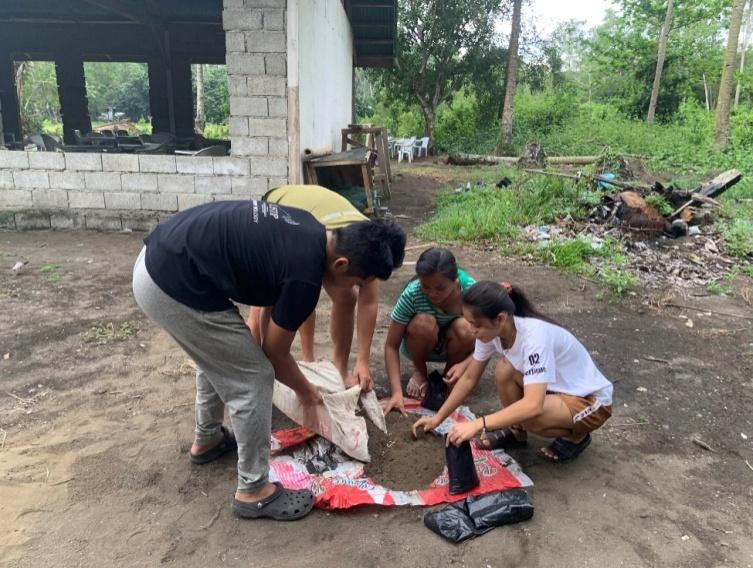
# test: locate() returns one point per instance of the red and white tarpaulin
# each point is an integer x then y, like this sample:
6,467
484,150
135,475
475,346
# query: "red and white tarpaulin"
304,460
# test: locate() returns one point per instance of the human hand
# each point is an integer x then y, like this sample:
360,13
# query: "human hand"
362,375
396,402
455,372
462,432
427,424
310,397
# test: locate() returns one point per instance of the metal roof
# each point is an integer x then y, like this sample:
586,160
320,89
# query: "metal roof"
374,24
110,11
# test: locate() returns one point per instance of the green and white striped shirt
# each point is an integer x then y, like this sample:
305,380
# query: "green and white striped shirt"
413,301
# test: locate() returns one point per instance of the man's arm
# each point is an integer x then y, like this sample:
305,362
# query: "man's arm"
276,346
366,317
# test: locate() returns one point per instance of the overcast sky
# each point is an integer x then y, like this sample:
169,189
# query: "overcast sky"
548,13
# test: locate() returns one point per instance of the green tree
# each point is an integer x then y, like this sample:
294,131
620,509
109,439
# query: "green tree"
439,43
721,126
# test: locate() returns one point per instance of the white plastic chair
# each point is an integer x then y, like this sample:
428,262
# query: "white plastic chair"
405,148
422,145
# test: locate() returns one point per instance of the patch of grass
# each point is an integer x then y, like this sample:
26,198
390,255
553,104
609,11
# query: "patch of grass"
738,236
486,212
660,203
52,271
718,288
104,333
747,270
618,281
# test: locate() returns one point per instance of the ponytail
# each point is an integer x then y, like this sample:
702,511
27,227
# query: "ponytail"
489,299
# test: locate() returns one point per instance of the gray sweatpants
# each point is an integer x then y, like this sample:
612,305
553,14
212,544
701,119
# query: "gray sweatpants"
231,369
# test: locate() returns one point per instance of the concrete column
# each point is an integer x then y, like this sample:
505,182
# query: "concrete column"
182,96
74,104
10,119
158,96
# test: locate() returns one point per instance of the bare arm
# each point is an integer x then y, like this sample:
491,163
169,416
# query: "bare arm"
276,346
463,388
366,317
392,364
528,407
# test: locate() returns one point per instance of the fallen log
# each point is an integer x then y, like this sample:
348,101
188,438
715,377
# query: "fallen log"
477,159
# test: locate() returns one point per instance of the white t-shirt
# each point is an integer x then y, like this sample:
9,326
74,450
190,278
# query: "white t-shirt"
547,353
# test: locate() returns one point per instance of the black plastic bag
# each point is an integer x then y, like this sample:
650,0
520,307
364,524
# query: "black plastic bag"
453,523
475,516
502,508
436,392
460,468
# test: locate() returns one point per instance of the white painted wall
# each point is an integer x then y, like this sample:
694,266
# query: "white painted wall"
325,67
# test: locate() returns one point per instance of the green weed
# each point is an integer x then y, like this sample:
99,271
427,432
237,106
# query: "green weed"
719,288
660,203
104,333
52,271
738,236
618,281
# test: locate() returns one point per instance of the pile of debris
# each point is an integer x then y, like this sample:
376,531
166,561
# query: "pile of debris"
651,240
630,209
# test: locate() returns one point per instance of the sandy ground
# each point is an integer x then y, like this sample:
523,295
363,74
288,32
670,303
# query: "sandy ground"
93,438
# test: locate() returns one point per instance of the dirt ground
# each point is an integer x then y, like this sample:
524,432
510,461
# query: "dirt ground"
93,437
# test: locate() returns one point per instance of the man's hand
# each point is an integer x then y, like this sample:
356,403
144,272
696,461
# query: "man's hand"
462,432
310,397
361,375
426,424
396,402
455,372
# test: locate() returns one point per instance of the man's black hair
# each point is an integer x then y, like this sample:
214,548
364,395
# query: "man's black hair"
374,248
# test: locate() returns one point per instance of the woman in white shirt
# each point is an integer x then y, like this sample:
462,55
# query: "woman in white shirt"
546,380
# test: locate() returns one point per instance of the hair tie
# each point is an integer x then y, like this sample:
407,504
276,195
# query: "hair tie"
506,286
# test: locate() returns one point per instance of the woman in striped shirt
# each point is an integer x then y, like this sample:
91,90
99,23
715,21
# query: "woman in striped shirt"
427,325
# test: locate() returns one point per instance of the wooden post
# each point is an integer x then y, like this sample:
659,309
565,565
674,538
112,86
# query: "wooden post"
11,119
69,68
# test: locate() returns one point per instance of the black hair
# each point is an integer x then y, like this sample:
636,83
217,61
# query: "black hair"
437,260
374,248
489,299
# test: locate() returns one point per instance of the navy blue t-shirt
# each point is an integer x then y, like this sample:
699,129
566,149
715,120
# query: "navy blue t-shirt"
252,252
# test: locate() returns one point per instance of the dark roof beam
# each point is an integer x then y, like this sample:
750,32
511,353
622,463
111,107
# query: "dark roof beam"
116,7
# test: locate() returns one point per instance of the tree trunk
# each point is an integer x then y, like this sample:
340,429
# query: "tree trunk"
706,92
746,37
721,127
504,143
663,38
429,119
200,120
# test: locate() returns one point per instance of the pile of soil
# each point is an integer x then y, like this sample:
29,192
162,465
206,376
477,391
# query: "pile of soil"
399,461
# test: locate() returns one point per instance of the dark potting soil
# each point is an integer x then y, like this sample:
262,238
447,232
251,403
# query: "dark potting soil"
398,461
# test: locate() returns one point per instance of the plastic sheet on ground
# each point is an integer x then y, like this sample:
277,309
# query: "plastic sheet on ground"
338,481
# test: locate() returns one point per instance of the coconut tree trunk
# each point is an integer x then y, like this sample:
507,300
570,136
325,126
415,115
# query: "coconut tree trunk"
746,38
663,39
200,120
721,127
504,143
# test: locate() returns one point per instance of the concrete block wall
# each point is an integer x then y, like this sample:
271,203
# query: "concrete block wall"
256,59
116,191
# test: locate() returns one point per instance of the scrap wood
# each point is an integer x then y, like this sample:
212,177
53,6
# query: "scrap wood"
477,159
5,435
700,443
682,306
714,188
212,520
656,359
